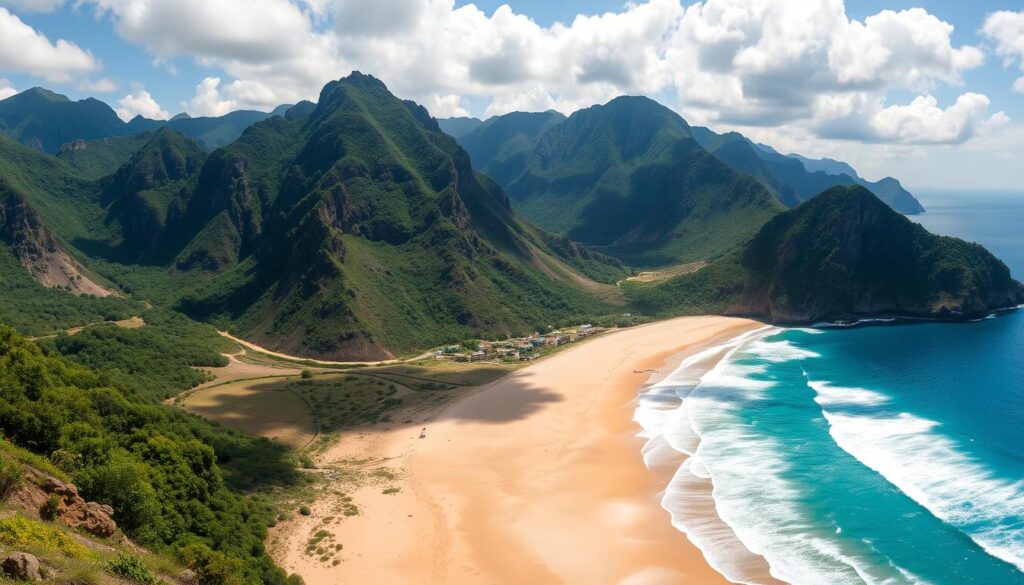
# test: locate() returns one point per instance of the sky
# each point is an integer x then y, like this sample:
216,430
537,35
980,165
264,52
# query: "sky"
930,92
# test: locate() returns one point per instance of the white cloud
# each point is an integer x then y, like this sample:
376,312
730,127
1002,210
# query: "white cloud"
924,122
208,101
33,5
104,85
446,106
140,103
6,90
253,31
1006,29
800,64
24,49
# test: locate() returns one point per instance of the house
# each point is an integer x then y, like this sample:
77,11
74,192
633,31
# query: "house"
486,345
477,356
527,357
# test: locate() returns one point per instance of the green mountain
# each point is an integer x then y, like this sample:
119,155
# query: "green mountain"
361,231
45,120
95,159
625,178
51,123
501,147
210,132
842,255
458,127
148,195
794,178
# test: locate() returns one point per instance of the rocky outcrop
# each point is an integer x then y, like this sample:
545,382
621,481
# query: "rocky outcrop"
35,493
22,230
22,567
96,519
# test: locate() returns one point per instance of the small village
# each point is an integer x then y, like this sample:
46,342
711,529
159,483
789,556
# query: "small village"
516,348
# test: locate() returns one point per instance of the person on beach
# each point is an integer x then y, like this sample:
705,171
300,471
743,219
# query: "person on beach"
423,433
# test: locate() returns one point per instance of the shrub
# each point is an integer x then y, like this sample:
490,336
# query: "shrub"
132,568
50,508
10,477
19,532
306,374
305,511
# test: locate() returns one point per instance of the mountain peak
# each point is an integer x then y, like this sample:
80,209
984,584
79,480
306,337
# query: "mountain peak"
43,93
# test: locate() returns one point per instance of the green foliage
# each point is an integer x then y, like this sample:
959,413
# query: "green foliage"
96,159
22,532
156,466
36,310
11,473
50,508
153,362
132,568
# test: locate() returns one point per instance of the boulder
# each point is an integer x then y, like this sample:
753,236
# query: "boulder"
96,519
22,567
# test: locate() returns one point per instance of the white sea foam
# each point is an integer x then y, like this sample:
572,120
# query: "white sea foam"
751,491
916,456
731,497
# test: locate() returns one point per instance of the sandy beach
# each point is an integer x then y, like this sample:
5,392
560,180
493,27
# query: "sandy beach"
536,478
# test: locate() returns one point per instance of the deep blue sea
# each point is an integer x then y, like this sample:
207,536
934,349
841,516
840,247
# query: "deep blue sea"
879,454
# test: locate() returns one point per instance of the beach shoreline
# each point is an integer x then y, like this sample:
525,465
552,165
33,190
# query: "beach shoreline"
535,478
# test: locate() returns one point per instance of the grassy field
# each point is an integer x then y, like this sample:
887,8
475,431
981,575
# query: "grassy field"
294,410
265,408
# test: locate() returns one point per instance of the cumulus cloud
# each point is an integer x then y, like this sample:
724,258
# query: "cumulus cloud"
6,90
104,85
1006,29
140,103
24,49
728,63
922,121
446,106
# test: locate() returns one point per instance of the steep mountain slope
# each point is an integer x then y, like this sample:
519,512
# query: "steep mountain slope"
95,159
795,178
35,248
624,178
458,127
844,254
150,192
361,231
501,147
45,120
210,132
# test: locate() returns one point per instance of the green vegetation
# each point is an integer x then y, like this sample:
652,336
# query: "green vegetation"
22,532
154,362
11,473
157,467
96,159
132,568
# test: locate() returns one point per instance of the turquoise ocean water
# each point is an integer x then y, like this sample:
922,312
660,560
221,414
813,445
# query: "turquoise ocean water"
877,454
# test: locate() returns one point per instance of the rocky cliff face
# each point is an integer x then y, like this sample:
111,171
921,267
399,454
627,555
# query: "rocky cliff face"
22,230
846,254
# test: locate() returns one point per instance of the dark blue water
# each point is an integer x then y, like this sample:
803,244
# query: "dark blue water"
887,454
